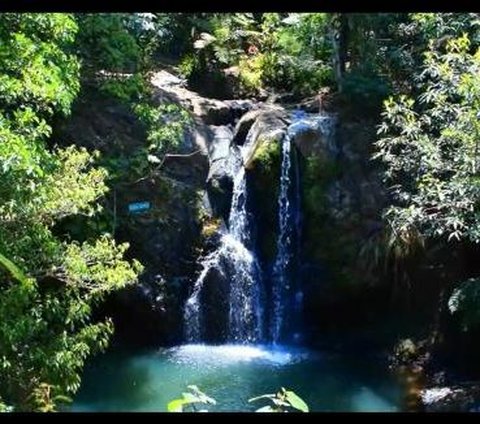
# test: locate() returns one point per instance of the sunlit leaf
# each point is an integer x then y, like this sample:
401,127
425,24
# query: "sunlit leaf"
296,401
175,405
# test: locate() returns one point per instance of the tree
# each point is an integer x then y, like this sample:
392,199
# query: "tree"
48,283
430,149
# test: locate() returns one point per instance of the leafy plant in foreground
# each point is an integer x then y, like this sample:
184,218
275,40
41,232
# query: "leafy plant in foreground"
49,283
189,400
282,401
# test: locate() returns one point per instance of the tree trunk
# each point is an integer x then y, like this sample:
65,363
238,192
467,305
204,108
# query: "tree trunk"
339,26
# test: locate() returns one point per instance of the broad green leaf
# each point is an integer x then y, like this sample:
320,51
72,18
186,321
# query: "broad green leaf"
296,402
13,269
175,405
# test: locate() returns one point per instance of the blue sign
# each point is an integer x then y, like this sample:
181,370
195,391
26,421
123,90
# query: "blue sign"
137,207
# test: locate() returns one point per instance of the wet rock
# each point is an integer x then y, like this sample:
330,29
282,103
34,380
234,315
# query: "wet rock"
269,126
100,122
164,235
310,105
243,126
313,136
211,111
215,304
451,399
216,112
219,180
240,107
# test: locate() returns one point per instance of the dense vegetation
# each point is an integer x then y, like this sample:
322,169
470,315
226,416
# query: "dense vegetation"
50,282
414,77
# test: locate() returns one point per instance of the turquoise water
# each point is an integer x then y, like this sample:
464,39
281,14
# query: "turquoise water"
231,374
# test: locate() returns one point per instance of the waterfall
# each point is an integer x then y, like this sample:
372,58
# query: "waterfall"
287,292
235,260
298,297
245,314
280,280
239,264
192,313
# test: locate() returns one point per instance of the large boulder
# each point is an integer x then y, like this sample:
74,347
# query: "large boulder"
270,126
100,122
220,176
312,134
215,305
210,110
243,126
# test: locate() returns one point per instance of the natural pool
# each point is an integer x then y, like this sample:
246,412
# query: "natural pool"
231,374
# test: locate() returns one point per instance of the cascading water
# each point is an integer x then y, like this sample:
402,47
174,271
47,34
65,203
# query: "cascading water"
287,293
235,259
280,280
245,315
298,301
237,263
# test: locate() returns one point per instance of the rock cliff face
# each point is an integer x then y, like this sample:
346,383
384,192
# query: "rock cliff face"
189,198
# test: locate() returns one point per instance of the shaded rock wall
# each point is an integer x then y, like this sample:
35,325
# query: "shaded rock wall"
190,199
184,196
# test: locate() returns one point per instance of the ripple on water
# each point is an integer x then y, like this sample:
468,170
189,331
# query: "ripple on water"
232,374
226,355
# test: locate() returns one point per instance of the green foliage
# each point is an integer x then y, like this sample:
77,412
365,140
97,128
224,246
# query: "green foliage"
5,408
177,32
430,155
365,91
464,301
297,52
106,43
71,188
128,89
44,398
381,50
190,400
229,35
430,152
372,55
126,168
269,51
36,70
385,250
250,72
267,155
436,29
187,65
48,285
46,328
219,42
167,125
282,401
84,266
14,271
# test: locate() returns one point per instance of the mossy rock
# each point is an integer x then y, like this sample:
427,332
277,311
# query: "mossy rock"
265,185
267,153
